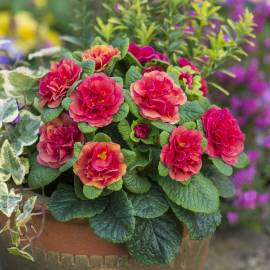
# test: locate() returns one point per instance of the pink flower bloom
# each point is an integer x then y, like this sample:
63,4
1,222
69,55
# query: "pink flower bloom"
55,84
146,53
57,139
96,100
158,97
142,131
101,55
225,138
100,164
183,154
183,62
153,68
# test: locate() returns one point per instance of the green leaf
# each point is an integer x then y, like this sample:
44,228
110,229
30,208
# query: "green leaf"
102,137
132,60
118,80
223,184
49,114
68,165
124,129
72,87
163,126
152,204
132,106
199,195
191,111
89,67
65,206
86,128
136,183
190,125
25,132
77,149
25,216
162,169
242,162
66,103
222,166
155,241
91,192
122,113
111,65
164,138
129,156
78,188
116,186
11,165
8,109
40,176
199,225
122,44
8,200
132,75
22,253
117,222
141,161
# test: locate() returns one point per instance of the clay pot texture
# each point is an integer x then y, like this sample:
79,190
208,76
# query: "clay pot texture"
74,246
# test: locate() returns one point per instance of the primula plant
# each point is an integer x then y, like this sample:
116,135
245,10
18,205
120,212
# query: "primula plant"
126,139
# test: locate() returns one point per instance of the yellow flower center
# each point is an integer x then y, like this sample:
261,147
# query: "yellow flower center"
181,144
103,155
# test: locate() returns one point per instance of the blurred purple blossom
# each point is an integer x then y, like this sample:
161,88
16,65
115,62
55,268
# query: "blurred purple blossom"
232,217
247,200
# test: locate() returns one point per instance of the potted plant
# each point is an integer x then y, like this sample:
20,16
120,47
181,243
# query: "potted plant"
113,156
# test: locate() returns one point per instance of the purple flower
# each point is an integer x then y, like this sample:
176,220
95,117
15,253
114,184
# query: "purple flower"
264,198
263,119
247,200
232,217
244,176
266,142
254,155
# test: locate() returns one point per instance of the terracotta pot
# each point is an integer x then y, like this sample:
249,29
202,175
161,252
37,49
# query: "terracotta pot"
73,246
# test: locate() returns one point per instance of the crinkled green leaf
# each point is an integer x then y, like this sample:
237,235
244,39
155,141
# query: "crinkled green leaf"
68,165
66,103
129,156
116,186
152,204
199,195
41,176
65,206
222,166
162,169
163,126
132,75
223,183
155,241
91,192
164,138
77,149
124,129
132,106
102,137
136,183
122,44
89,67
86,128
199,225
118,80
122,113
49,114
117,222
242,162
190,111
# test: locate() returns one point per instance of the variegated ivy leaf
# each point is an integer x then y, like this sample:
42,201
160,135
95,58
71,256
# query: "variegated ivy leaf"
26,131
19,81
11,165
8,109
26,215
8,200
